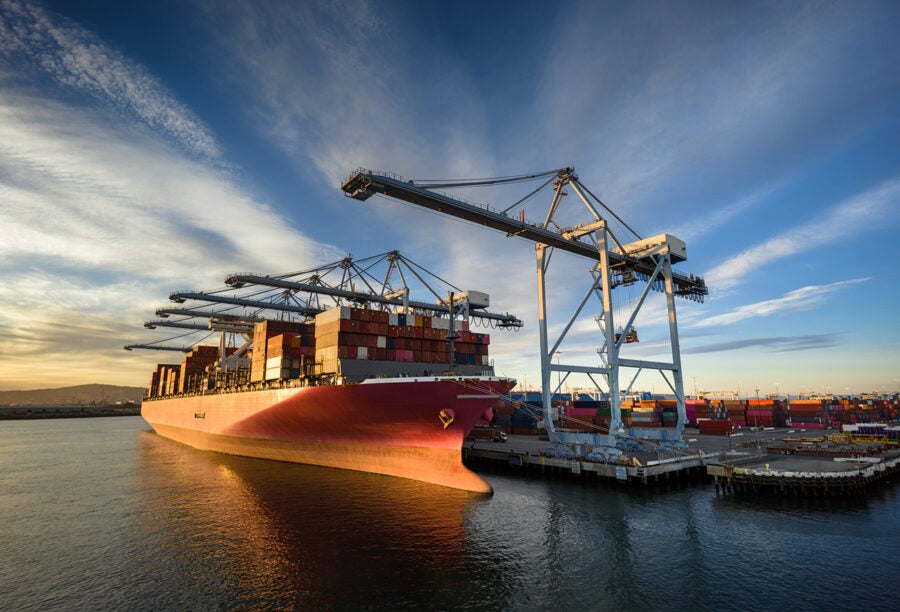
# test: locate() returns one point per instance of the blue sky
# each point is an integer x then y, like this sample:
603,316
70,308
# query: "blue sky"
152,146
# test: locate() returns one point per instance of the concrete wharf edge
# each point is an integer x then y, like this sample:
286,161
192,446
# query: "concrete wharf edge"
745,469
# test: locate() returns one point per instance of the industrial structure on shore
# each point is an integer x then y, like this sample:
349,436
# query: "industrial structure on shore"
617,265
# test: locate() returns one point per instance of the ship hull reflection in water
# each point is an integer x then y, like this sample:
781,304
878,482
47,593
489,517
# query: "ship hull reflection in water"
243,531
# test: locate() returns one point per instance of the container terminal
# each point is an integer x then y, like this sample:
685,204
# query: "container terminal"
839,449
608,431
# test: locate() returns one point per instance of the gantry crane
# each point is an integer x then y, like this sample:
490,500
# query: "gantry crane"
348,281
617,264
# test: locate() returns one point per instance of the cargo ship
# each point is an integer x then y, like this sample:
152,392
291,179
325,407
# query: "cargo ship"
356,388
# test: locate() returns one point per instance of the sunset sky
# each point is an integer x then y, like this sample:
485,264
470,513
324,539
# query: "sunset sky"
147,147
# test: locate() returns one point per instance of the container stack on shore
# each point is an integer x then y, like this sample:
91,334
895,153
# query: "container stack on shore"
591,415
644,413
798,413
854,410
766,413
717,417
736,412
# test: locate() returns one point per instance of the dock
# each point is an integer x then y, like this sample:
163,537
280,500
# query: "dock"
815,476
529,456
750,462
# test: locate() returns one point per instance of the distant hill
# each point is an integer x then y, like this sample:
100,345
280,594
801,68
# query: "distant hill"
80,395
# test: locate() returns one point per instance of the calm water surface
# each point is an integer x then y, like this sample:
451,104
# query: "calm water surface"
102,513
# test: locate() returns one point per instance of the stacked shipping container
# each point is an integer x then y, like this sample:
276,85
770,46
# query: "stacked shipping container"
266,330
809,414
358,333
287,352
766,413
287,349
164,380
193,367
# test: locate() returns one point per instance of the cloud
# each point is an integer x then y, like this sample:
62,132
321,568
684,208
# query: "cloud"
98,224
320,99
779,344
709,221
671,108
798,300
77,190
833,226
75,58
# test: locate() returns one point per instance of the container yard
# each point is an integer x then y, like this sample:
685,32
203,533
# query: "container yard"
779,456
367,337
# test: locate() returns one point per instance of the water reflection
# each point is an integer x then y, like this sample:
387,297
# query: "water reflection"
220,531
244,530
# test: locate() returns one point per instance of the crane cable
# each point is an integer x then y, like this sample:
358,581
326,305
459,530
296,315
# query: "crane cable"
607,209
485,181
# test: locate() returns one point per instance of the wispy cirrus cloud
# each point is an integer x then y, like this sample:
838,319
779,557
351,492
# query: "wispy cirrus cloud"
671,110
778,344
798,300
321,100
102,214
712,220
834,225
98,224
75,58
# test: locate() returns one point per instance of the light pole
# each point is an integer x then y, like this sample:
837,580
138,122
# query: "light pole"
756,418
558,373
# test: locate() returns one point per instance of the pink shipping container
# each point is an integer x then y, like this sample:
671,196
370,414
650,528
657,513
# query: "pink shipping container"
690,412
581,412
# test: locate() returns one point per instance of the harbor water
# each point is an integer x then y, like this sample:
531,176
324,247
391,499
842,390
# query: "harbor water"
101,513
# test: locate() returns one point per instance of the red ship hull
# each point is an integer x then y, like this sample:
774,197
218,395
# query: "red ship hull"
407,427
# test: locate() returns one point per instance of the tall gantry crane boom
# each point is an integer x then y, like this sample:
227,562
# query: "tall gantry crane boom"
176,324
298,293
208,314
239,280
159,347
181,296
617,263
363,184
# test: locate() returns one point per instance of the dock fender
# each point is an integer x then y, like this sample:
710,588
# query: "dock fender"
447,416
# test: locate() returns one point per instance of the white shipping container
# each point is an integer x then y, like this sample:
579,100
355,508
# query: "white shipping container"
362,352
440,323
392,318
381,342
